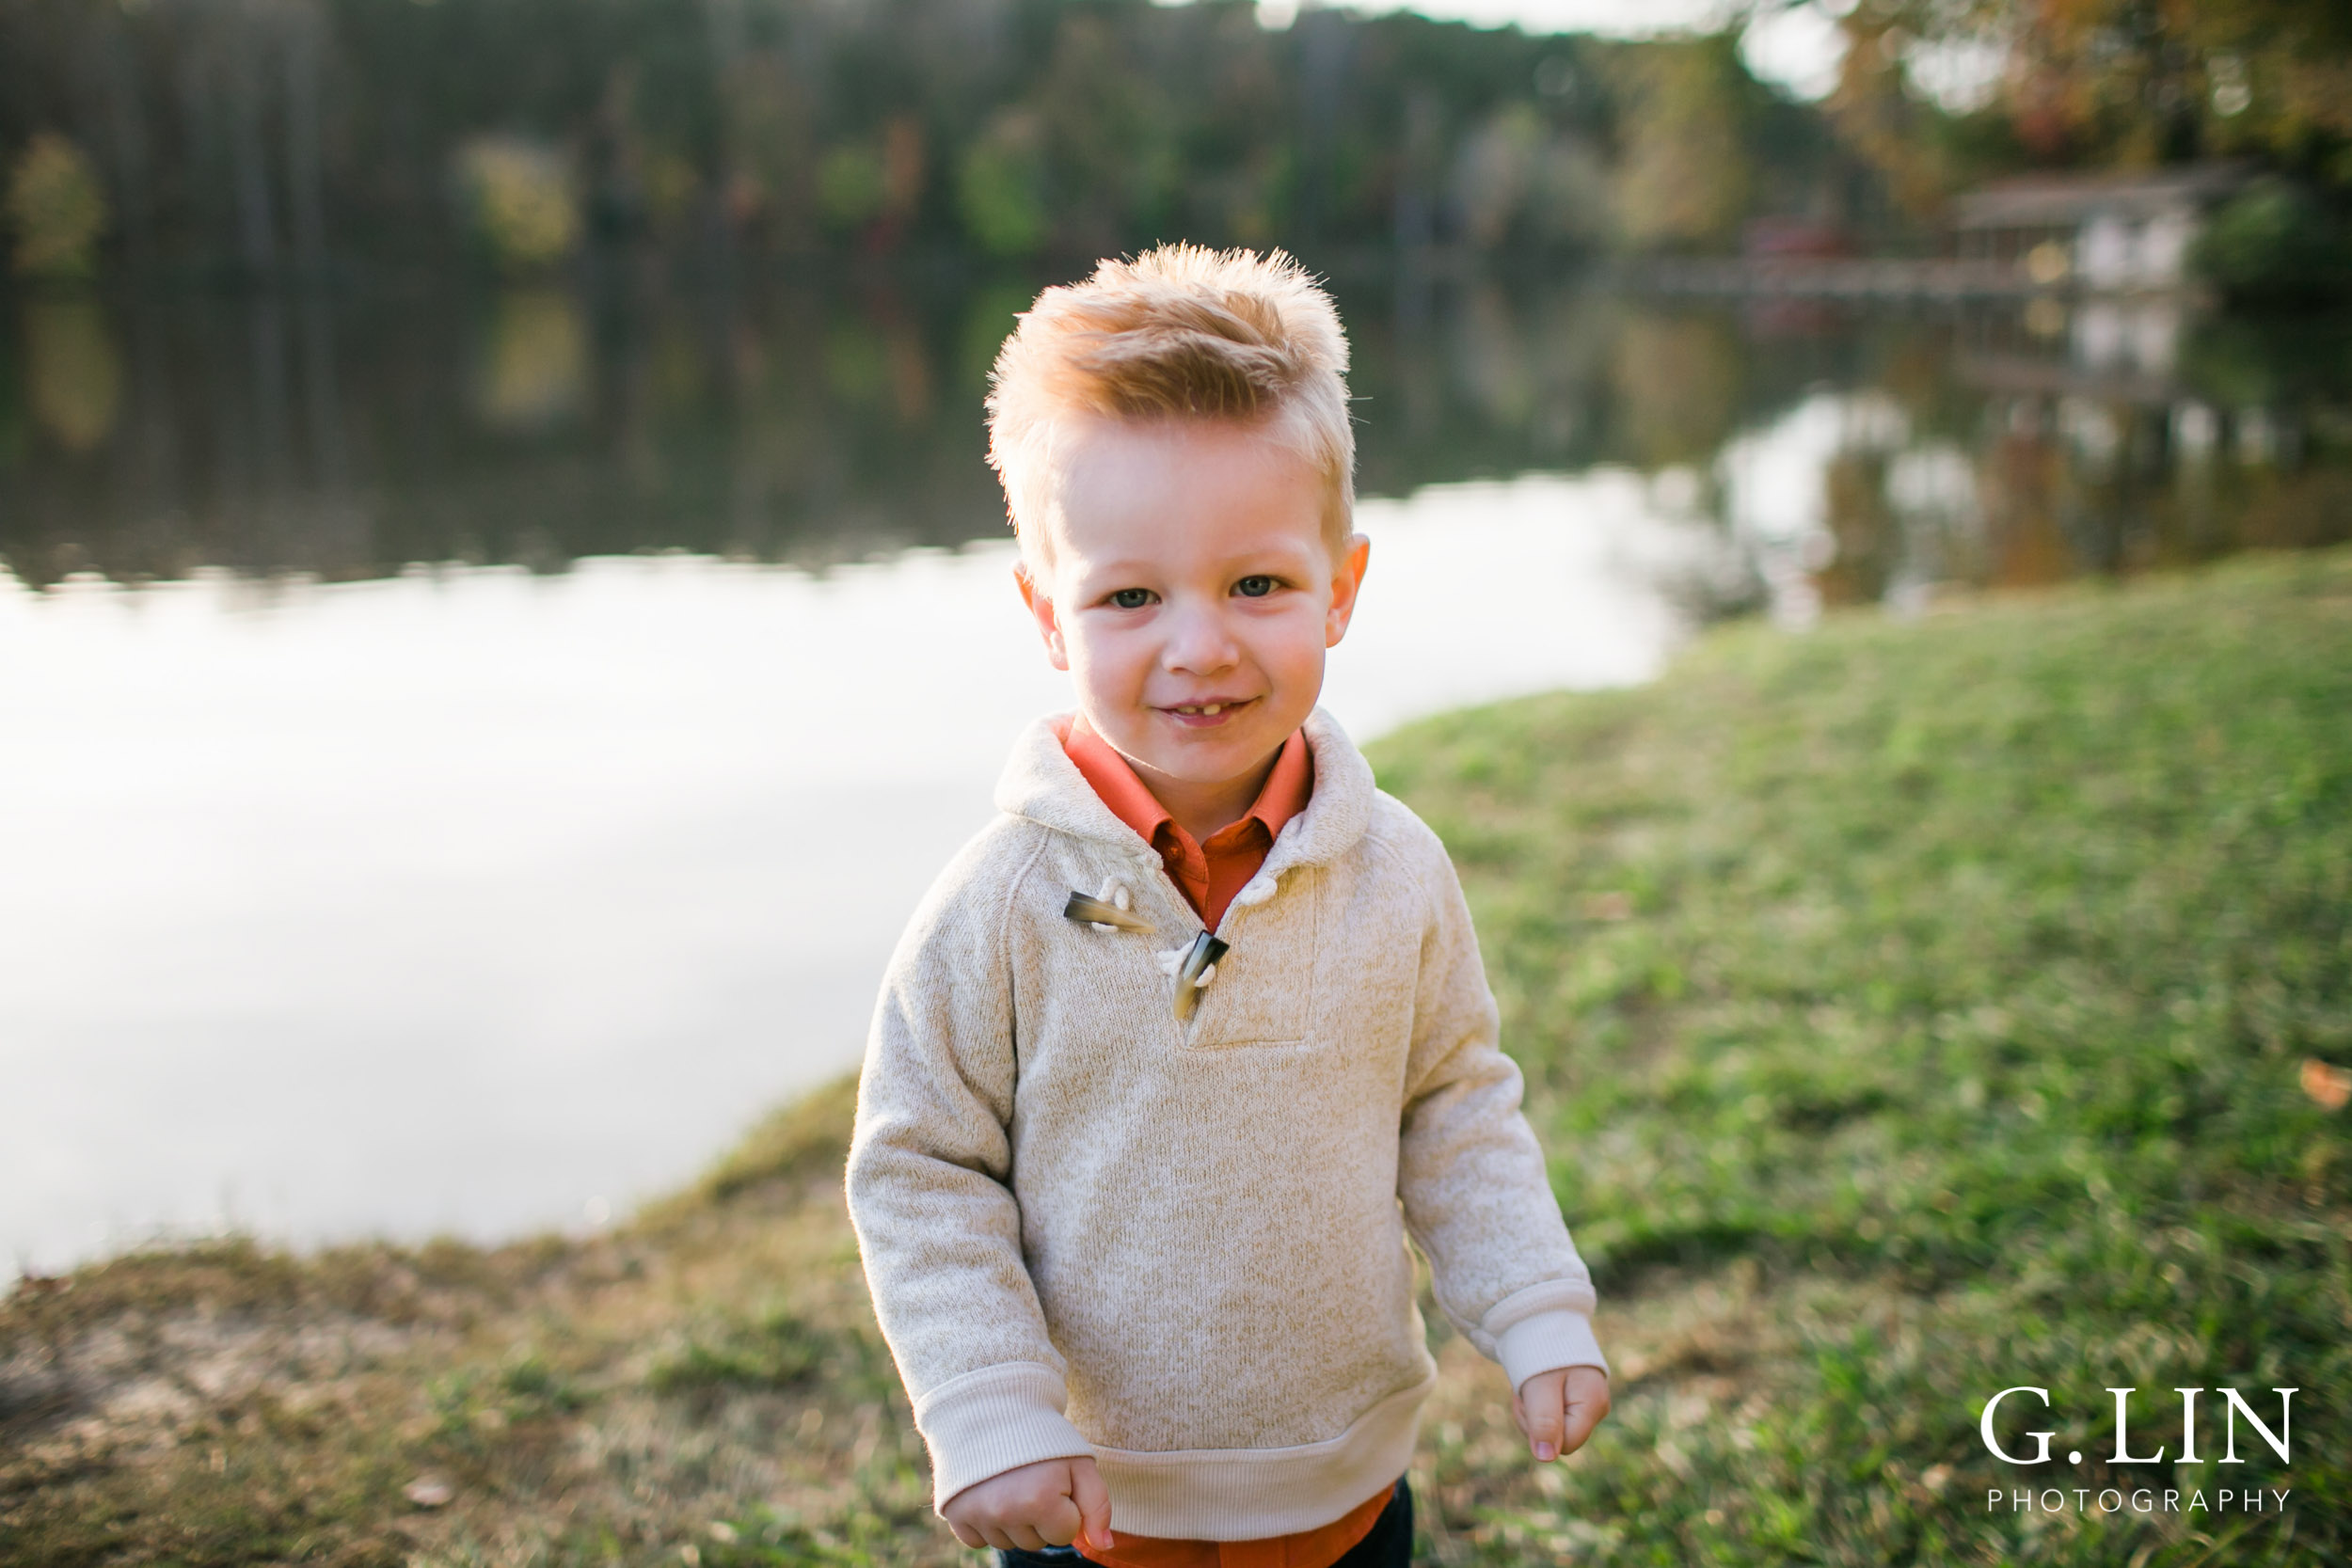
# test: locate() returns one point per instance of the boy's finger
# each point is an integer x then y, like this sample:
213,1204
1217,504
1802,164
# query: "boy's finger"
1059,1521
1587,1395
1544,1403
1581,1419
1094,1504
966,1535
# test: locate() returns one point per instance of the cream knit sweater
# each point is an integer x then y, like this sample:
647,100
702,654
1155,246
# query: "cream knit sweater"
1091,1228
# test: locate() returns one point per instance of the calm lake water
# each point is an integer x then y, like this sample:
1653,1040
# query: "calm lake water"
471,753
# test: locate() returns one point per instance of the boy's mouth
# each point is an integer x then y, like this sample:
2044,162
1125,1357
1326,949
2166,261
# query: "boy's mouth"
1196,715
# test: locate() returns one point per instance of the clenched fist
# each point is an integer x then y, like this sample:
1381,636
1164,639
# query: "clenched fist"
1558,1410
1054,1502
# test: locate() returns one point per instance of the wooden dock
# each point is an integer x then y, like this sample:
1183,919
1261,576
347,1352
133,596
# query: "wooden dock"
1938,278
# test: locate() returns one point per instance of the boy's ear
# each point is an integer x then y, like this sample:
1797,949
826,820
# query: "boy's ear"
1347,579
1041,611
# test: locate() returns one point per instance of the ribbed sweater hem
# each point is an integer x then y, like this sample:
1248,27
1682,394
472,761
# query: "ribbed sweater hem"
1255,1493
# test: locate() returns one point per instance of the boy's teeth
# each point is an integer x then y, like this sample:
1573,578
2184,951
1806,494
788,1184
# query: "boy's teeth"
1211,709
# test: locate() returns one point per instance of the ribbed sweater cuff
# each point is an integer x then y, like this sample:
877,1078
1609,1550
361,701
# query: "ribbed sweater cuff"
1546,1342
992,1421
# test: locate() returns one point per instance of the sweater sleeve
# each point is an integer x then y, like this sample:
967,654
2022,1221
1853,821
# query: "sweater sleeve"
937,1225
1477,1197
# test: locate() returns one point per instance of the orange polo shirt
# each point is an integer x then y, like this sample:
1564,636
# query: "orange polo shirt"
1208,873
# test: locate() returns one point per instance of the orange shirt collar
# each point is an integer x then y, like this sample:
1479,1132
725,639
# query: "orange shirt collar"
1288,787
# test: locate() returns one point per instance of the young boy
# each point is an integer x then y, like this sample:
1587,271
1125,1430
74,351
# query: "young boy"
1181,1048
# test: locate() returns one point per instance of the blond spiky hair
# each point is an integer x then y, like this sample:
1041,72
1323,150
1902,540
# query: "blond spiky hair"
1181,331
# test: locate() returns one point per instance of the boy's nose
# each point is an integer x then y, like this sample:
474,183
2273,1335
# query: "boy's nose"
1199,641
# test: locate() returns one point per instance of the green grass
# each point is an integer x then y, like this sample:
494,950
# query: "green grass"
1948,985
778,1351
1910,1011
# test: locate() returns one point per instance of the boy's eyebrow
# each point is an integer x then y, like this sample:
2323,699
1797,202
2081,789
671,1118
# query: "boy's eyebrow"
1126,566
1121,566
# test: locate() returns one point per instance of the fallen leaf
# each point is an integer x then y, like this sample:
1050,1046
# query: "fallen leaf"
2332,1087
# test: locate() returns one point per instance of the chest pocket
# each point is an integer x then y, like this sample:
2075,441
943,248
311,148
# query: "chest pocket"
1264,989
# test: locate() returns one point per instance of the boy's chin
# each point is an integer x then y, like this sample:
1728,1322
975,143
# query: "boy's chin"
1209,756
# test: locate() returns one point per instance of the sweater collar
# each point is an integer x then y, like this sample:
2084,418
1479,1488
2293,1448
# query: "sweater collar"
1042,783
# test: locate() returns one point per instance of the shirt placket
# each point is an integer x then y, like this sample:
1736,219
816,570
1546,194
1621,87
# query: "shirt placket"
1187,866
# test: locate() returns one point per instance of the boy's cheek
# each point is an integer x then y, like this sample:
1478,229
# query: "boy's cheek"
1115,667
1101,675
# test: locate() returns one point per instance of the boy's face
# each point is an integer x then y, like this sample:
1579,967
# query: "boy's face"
1191,593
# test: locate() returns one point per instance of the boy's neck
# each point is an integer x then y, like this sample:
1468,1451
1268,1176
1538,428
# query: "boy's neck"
1205,810
1201,810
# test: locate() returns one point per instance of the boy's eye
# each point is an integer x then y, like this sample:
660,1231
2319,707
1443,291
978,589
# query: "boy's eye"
1132,599
1254,588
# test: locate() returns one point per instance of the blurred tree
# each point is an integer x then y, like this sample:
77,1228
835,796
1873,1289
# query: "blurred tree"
57,207
730,128
1685,181
2099,83
2273,239
1924,151
767,136
1494,173
1000,188
852,183
520,201
1105,132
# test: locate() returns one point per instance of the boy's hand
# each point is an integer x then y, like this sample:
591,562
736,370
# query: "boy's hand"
1558,1410
1051,1503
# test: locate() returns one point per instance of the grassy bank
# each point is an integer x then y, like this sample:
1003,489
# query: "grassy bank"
1912,1011
1932,1001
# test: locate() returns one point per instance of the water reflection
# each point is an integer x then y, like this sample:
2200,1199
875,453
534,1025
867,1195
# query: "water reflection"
456,894
458,899
72,373
824,423
534,362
